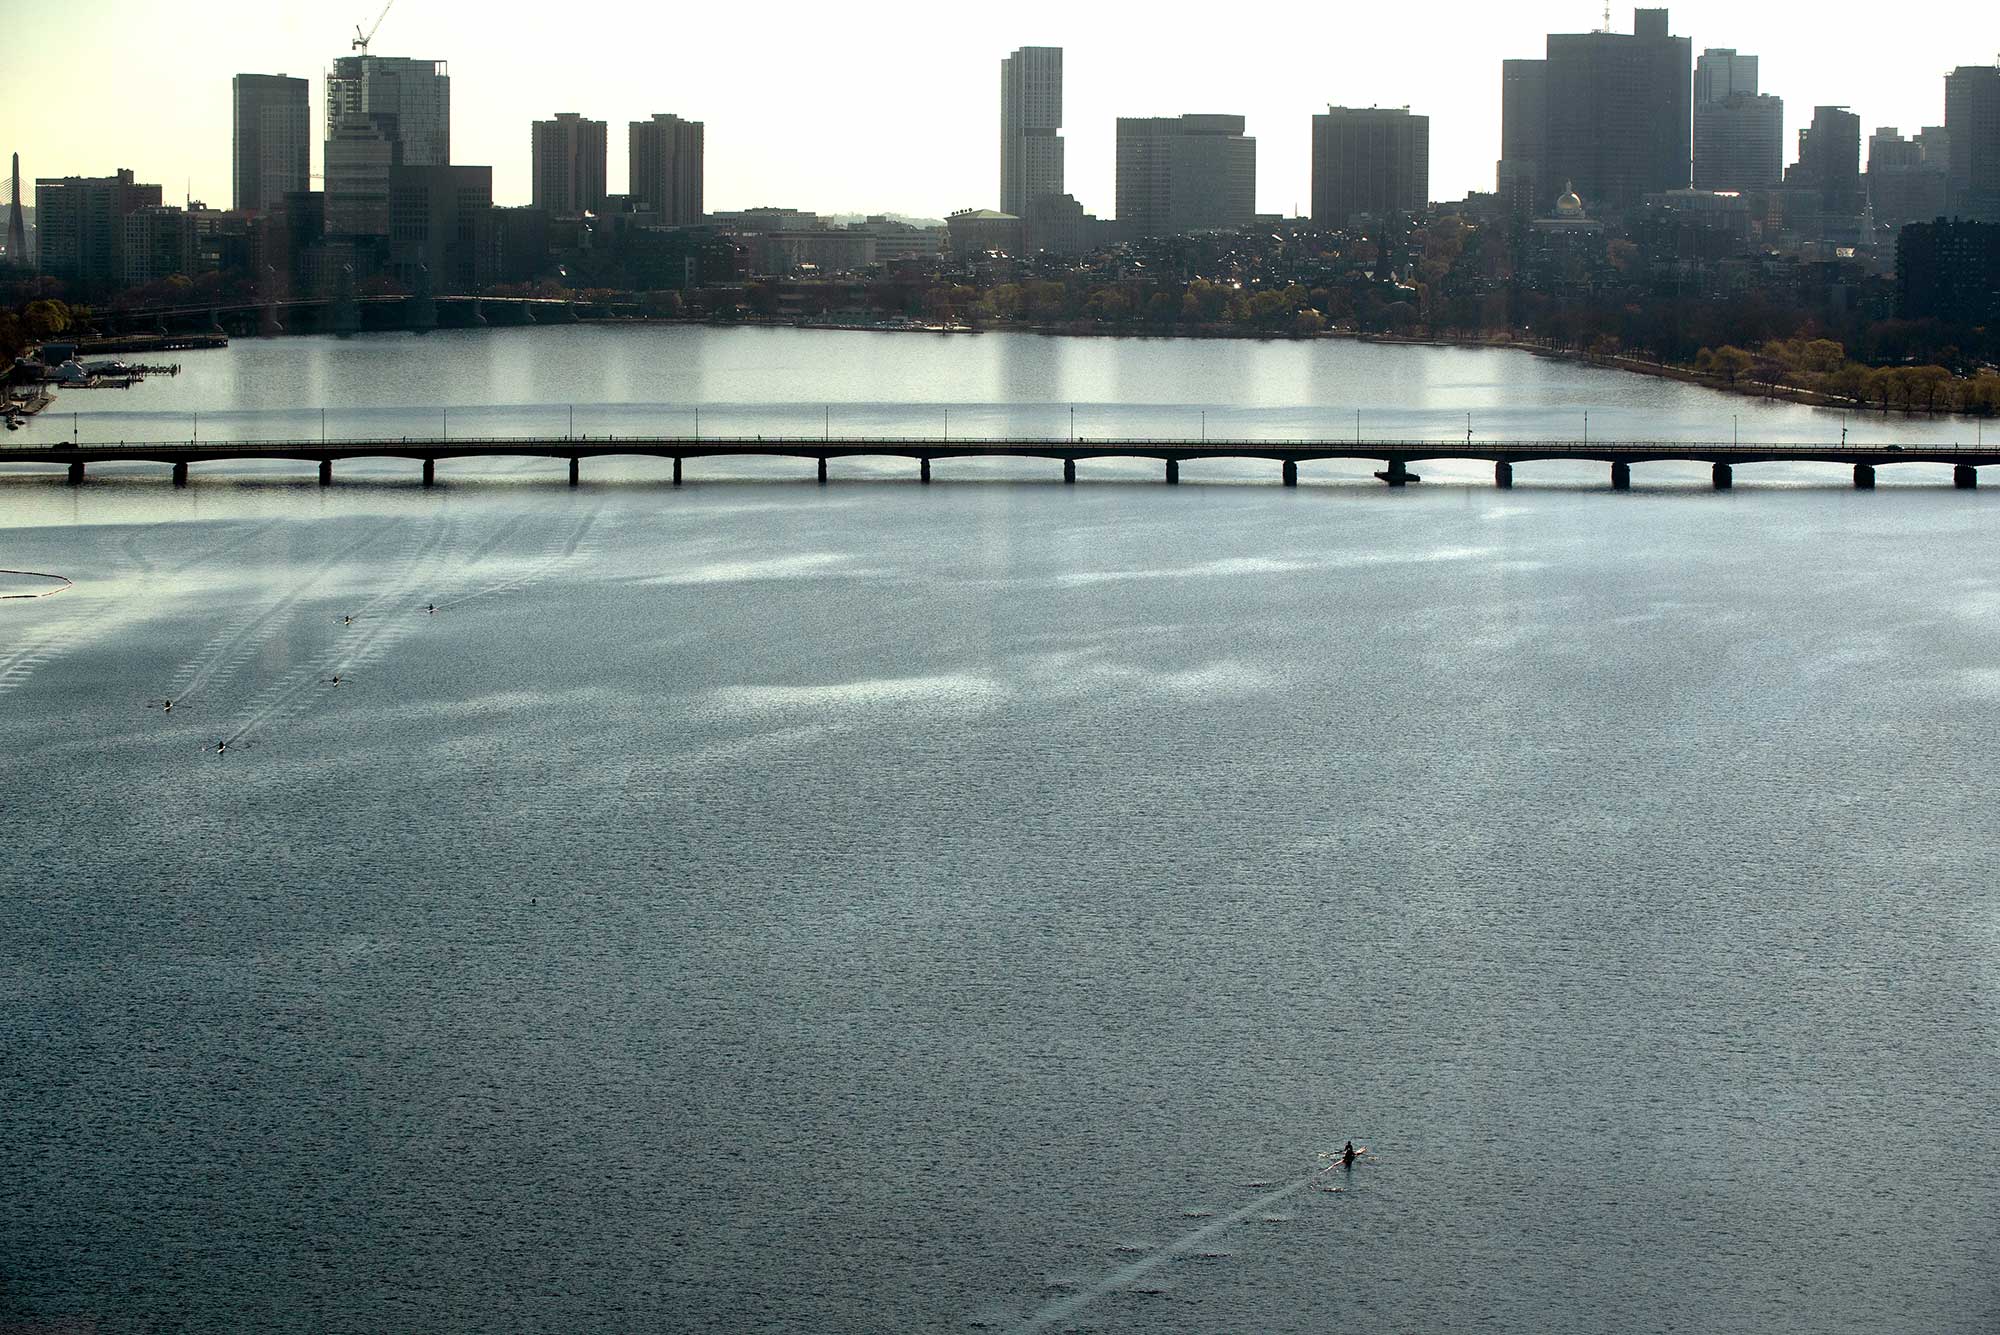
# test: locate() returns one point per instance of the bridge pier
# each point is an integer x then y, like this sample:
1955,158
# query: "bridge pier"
1503,475
1291,473
677,470
76,473
1173,472
180,475
924,470
1397,474
1621,476
1965,477
326,472
1864,477
575,470
822,470
430,472
1069,470
1725,477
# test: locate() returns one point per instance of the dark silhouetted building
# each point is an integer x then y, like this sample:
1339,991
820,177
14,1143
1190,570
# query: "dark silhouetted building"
515,246
1524,136
1031,117
1830,160
569,163
1949,270
1722,72
436,217
1185,174
159,243
81,225
666,168
272,149
1972,122
1372,160
1906,177
1618,115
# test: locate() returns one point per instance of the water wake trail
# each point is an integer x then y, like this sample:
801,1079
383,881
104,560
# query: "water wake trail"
1071,1304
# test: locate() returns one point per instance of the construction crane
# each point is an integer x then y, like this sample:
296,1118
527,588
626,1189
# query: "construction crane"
362,39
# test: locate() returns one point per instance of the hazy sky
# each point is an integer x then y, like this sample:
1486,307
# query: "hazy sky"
894,106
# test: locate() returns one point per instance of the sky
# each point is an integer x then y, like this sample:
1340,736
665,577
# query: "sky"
894,106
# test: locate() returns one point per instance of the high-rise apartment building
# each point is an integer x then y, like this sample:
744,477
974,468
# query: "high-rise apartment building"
1830,160
1618,122
1722,73
80,222
1373,160
408,101
666,167
1185,174
568,160
272,148
1972,123
1031,115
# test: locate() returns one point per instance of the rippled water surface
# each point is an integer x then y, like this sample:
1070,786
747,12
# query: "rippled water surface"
764,906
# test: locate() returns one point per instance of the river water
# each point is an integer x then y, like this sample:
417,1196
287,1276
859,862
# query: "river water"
764,906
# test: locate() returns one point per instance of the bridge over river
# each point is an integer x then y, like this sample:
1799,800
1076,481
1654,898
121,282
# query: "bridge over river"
1395,456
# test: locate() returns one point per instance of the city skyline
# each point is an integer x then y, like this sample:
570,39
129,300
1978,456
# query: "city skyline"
870,114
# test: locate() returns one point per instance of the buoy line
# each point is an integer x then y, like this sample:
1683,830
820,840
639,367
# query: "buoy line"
63,582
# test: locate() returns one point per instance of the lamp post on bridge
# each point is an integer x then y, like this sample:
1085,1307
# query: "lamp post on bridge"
322,426
1072,424
196,438
571,434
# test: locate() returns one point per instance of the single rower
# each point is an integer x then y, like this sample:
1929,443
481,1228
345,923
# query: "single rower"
1349,1155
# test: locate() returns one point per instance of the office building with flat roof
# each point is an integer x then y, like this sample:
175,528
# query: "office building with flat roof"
1185,174
1739,143
271,151
1031,117
569,155
1721,73
1830,160
1972,125
1618,123
1372,160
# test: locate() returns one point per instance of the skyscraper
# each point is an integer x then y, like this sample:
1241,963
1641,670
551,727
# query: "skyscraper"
1185,174
1031,114
569,156
1524,134
17,229
272,151
1618,112
1739,134
1972,123
1373,160
667,167
1830,160
1721,73
408,101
